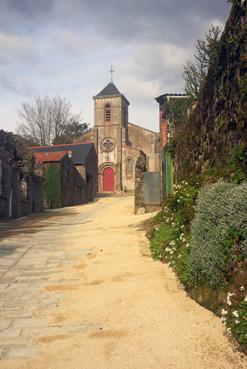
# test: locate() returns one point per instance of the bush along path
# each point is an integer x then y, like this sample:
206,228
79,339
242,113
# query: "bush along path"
202,234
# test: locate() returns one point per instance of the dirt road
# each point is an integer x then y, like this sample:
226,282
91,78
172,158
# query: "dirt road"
79,292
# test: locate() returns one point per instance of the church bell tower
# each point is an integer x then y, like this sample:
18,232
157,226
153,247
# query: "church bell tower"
111,131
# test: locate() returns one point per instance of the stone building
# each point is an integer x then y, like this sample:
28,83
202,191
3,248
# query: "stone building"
63,184
78,170
21,189
118,142
167,132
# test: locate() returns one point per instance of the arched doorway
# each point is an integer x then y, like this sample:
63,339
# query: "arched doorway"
108,180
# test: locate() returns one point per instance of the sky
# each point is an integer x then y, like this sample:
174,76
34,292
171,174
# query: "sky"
65,48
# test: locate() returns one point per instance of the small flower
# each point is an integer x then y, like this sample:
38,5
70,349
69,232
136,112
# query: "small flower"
178,200
223,320
245,299
224,312
228,298
173,224
237,321
242,288
235,313
229,330
182,226
187,245
172,243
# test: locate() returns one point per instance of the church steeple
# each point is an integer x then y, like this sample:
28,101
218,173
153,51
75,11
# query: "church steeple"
109,90
110,107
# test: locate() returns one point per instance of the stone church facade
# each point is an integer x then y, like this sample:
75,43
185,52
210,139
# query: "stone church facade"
119,143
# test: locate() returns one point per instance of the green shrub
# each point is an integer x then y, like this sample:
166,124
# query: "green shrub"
161,238
218,232
52,187
239,326
182,264
181,202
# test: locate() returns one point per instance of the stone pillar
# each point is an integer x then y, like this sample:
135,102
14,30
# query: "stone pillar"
140,169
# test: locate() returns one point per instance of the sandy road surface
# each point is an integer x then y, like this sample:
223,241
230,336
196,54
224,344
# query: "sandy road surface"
89,298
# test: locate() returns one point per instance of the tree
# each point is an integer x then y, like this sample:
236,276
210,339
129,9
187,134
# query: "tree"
71,132
46,119
195,72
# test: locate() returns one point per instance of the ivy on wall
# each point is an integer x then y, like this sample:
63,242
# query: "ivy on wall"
52,187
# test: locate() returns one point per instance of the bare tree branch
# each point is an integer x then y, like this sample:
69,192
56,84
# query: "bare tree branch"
46,119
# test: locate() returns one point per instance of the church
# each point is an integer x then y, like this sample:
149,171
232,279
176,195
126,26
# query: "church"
118,142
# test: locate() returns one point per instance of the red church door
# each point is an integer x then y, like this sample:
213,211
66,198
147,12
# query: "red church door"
108,180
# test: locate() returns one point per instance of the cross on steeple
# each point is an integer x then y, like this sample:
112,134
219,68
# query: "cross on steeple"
111,71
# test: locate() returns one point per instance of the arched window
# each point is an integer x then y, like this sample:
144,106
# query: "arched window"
129,166
107,112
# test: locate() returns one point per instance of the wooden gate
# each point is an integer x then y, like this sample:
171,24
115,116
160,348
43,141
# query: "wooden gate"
108,180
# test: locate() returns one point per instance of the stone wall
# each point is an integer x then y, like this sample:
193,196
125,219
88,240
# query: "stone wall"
146,141
91,174
219,122
21,190
129,159
74,189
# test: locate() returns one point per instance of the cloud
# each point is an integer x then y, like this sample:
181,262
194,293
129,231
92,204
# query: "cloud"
167,20
16,49
20,87
30,8
65,47
76,44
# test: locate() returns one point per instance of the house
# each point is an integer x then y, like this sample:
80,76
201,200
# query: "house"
168,128
73,167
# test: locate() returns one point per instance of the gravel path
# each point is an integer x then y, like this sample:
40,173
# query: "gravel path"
79,291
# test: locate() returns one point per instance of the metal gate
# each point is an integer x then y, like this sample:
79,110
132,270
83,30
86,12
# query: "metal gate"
151,188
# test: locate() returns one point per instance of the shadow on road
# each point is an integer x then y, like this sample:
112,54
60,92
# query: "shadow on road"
33,223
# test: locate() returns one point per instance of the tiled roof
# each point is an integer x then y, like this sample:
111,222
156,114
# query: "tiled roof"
44,157
79,151
162,98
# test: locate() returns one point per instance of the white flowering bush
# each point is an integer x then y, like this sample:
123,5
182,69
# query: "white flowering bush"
162,241
219,233
170,240
234,314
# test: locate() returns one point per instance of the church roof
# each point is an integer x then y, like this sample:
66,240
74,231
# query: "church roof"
109,90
